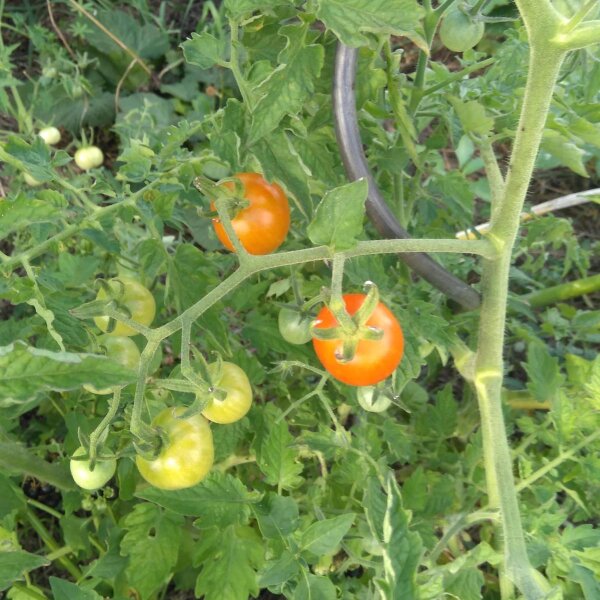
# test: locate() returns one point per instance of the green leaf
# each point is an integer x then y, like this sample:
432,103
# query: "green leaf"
65,590
473,117
191,275
544,373
34,158
563,149
281,163
314,587
401,547
277,460
338,220
350,19
229,560
279,570
220,500
11,497
465,584
241,8
204,50
277,516
151,542
323,537
285,91
26,371
21,213
13,565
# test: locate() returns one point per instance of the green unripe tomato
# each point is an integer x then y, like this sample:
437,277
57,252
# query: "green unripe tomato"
187,456
459,31
372,402
294,327
238,400
89,157
138,300
91,479
122,350
50,135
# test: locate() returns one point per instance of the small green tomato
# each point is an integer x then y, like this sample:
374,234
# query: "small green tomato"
86,477
50,135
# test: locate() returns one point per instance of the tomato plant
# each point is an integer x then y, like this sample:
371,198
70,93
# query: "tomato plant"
412,487
89,157
187,452
294,326
262,226
231,380
135,298
460,31
120,349
86,477
374,360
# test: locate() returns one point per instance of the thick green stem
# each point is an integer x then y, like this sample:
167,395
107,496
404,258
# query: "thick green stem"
544,67
564,291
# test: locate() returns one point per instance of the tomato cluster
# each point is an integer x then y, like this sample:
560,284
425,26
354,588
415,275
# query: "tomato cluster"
186,452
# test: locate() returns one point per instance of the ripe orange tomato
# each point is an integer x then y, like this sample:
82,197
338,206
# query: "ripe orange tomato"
375,360
263,225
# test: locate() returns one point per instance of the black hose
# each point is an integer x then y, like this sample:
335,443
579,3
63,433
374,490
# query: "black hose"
348,137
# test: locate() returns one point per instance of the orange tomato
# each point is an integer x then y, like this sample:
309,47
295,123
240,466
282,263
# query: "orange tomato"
263,225
374,360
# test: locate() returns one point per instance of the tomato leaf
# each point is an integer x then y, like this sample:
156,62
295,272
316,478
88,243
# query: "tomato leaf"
351,19
151,542
338,220
65,590
323,537
277,460
544,373
289,85
229,560
279,570
54,371
314,587
473,116
220,500
204,50
14,564
22,213
277,516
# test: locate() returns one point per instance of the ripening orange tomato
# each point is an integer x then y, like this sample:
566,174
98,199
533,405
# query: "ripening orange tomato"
374,360
263,225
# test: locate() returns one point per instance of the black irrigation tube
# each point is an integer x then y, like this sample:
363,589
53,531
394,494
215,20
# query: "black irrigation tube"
348,137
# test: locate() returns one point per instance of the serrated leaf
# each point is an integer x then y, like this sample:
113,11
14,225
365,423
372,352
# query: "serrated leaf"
563,149
23,212
338,220
220,500
323,537
54,371
34,158
191,274
151,542
204,50
544,373
229,560
402,547
65,590
473,117
277,460
289,85
277,516
280,162
13,565
350,19
314,587
240,8
279,570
